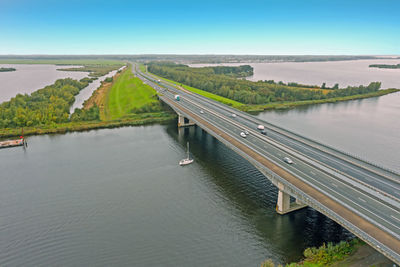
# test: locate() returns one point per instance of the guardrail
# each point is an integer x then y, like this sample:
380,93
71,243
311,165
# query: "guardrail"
306,138
303,196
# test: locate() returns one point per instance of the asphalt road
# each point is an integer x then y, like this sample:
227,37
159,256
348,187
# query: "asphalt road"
364,188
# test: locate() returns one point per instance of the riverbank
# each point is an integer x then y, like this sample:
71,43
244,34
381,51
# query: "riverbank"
346,253
7,69
98,97
134,120
129,95
274,105
128,101
289,105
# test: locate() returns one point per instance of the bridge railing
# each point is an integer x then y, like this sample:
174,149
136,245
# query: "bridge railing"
305,198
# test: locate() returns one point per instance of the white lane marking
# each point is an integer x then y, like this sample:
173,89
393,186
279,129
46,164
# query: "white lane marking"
312,172
363,200
335,185
395,218
321,184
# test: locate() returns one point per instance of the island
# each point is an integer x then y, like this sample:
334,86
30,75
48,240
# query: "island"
7,69
385,66
121,100
226,85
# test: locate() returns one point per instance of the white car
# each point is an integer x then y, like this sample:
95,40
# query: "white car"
260,127
201,111
233,115
242,134
288,160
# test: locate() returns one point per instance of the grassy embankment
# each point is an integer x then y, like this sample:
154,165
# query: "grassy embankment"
125,101
275,105
129,95
212,96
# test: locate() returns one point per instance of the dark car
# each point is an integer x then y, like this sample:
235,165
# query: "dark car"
263,132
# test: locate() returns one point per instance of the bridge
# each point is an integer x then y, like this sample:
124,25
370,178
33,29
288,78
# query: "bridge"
359,195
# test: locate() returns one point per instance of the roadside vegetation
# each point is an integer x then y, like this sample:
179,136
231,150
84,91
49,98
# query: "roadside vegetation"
325,255
212,96
7,69
257,96
130,95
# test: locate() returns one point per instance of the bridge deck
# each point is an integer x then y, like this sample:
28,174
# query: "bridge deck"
373,221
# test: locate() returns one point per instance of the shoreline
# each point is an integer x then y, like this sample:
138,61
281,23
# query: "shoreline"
350,253
276,105
145,119
294,104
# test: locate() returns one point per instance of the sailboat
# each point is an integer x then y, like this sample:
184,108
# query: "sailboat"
188,160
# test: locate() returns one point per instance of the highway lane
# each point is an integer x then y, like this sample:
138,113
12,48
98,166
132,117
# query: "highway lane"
372,209
342,167
378,210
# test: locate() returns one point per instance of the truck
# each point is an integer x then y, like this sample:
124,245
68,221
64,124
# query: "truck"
177,97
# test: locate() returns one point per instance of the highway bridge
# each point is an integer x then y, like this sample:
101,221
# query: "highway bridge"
359,195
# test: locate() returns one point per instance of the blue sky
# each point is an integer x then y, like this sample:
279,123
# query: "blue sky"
200,27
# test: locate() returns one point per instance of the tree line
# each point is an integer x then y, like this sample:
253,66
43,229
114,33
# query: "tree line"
7,69
385,66
262,92
43,107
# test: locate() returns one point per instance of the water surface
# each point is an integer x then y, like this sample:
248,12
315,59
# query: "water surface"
30,77
86,92
346,73
368,128
118,197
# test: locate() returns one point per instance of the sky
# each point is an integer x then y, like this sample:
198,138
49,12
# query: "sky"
269,27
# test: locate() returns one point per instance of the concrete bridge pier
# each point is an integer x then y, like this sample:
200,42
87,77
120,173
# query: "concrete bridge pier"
183,122
284,205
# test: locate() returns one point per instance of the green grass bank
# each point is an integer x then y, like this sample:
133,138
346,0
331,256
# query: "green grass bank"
128,95
274,105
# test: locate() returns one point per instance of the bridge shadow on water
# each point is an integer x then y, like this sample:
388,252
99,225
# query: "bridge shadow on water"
254,197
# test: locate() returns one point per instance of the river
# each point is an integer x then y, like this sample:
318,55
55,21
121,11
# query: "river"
86,92
30,77
346,73
368,128
118,197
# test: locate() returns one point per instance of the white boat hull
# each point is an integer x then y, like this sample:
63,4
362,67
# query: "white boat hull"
185,162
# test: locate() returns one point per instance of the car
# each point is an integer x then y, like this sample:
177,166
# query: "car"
263,132
246,132
288,160
233,115
260,127
201,111
242,134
